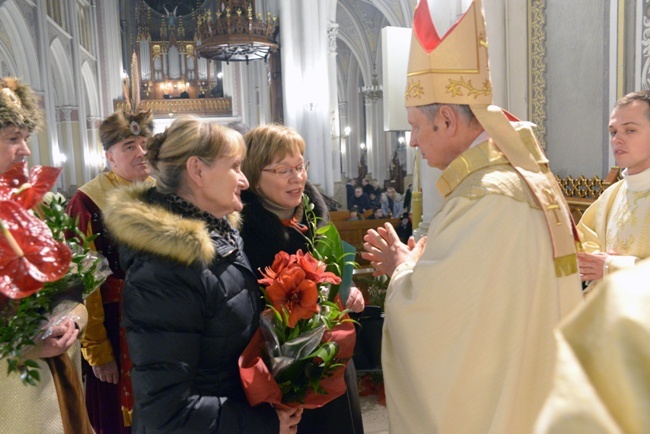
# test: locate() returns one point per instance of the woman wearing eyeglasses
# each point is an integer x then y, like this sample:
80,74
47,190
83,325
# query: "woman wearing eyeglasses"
273,220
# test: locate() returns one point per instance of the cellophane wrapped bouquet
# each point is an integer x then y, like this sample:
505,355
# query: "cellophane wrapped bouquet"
43,276
298,356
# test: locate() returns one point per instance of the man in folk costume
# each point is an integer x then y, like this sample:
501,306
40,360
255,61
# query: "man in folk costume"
108,389
470,310
55,403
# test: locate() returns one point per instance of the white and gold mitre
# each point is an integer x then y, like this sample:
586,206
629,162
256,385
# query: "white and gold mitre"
449,70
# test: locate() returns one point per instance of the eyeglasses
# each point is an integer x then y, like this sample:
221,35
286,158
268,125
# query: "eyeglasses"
285,171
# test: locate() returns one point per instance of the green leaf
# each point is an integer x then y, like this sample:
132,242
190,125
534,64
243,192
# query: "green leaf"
348,268
31,364
325,353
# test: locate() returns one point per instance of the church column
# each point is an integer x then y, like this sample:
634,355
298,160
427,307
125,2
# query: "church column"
369,107
110,70
431,198
94,30
346,150
78,141
51,141
305,61
374,140
254,92
96,151
382,149
335,132
67,158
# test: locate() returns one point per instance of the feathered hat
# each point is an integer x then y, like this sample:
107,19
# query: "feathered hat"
18,105
131,121
124,124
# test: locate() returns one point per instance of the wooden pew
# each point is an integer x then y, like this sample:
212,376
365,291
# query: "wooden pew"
337,216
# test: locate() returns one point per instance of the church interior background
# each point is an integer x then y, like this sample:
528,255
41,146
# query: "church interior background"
332,69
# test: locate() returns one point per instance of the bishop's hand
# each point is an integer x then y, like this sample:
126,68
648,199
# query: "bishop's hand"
385,251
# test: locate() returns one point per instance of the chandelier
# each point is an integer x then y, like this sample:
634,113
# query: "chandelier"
373,92
234,32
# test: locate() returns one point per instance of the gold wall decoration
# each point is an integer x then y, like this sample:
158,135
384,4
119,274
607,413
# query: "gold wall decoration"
537,67
620,50
645,43
581,192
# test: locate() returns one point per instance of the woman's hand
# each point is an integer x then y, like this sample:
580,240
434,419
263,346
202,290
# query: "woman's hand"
62,337
289,420
355,302
107,372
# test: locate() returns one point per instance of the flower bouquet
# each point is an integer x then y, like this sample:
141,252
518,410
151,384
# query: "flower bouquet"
42,276
297,358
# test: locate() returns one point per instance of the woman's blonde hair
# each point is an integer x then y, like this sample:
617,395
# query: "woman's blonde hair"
186,137
266,144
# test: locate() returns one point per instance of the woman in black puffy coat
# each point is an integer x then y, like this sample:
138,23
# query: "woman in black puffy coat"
191,303
273,220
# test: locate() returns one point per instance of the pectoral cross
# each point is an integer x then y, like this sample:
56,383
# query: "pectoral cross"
552,205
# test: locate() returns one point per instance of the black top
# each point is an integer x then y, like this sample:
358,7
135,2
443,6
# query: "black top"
265,235
187,318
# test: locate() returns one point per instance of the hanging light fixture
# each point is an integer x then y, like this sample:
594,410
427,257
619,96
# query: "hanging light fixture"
233,32
373,92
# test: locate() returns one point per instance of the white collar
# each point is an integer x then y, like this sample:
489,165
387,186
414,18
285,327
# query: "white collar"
637,182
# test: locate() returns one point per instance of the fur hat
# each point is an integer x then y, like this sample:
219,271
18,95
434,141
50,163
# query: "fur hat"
18,105
124,124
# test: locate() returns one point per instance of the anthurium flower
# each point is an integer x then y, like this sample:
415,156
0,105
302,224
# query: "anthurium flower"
315,269
27,188
290,292
29,256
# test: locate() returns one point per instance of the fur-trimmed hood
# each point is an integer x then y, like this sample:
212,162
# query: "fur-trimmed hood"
136,223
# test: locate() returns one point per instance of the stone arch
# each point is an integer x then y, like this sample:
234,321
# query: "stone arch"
7,59
357,44
93,155
62,73
23,49
389,15
91,97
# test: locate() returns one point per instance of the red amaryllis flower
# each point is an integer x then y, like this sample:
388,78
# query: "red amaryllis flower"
290,292
27,188
315,269
29,256
281,261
